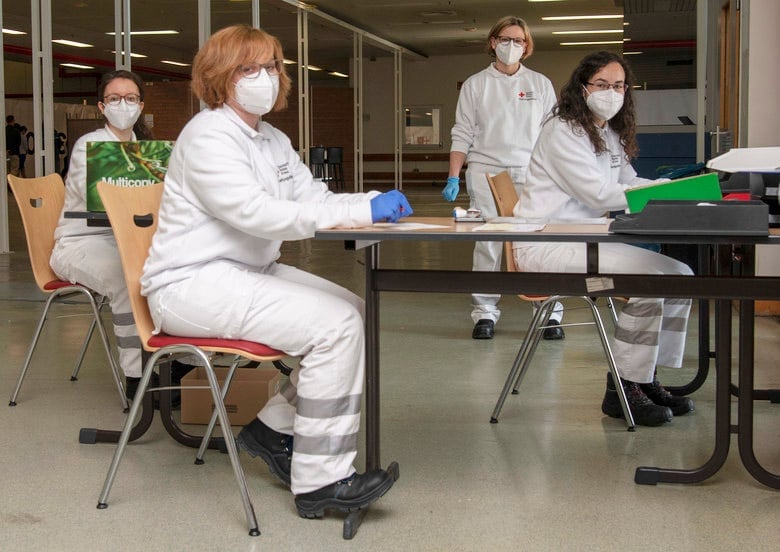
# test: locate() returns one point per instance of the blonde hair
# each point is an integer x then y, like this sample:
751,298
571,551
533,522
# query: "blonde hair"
225,51
508,21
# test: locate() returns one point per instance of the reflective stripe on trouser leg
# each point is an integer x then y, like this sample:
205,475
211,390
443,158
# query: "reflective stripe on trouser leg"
671,346
93,261
305,316
128,343
650,332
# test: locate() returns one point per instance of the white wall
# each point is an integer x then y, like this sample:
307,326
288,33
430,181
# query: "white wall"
763,73
434,81
763,106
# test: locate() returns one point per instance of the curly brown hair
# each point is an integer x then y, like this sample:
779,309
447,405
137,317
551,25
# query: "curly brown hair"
572,106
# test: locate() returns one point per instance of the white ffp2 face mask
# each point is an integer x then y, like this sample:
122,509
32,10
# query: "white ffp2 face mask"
604,104
509,53
122,115
258,96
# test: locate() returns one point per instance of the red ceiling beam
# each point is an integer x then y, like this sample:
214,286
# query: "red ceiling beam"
70,58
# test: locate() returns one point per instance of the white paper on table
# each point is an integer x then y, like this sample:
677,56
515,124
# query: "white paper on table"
508,227
747,160
406,225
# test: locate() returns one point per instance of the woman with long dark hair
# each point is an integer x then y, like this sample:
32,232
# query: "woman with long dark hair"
580,169
88,254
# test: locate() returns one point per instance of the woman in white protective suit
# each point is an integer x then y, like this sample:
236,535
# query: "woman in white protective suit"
234,191
498,118
579,169
88,254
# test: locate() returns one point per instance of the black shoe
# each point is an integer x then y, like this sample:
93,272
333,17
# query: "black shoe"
483,329
644,411
273,447
660,396
131,386
353,493
553,331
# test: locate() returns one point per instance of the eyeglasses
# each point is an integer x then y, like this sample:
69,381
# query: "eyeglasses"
505,40
252,70
114,99
603,85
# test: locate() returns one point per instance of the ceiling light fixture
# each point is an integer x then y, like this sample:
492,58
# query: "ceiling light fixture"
132,54
578,17
604,31
73,43
313,68
591,43
13,32
76,66
140,33
177,63
632,53
338,74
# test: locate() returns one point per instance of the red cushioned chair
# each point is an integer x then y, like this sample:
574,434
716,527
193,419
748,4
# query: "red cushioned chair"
40,202
133,216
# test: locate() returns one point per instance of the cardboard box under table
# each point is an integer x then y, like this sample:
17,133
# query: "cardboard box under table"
250,390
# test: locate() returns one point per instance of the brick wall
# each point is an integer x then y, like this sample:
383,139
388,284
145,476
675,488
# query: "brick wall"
172,104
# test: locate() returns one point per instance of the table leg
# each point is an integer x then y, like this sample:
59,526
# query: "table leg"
373,460
88,435
746,398
650,475
91,435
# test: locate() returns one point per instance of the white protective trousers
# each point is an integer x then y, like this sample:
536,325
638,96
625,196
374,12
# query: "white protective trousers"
93,260
649,331
303,315
487,255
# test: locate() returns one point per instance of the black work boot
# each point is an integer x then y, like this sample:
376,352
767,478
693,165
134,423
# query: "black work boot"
644,411
660,396
274,448
483,329
353,493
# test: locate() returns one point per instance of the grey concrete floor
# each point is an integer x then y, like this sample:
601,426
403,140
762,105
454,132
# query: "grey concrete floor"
554,474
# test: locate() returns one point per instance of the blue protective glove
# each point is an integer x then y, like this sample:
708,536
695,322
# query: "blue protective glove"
389,207
452,188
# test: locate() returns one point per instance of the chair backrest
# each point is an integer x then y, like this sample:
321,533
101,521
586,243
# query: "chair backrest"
40,202
335,155
505,194
132,212
317,155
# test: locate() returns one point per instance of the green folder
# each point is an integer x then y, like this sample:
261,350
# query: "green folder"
703,187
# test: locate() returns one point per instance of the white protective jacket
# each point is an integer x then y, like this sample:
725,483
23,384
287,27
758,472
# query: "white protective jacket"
234,193
567,180
499,116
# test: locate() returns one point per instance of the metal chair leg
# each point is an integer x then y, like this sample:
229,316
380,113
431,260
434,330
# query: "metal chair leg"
612,366
33,344
204,444
546,308
219,407
107,346
128,427
95,322
230,444
613,309
520,361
